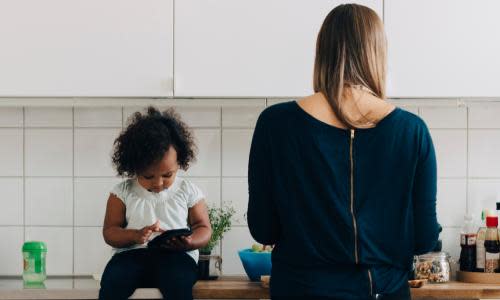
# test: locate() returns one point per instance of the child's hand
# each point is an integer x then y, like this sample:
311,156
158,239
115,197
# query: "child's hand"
182,243
143,234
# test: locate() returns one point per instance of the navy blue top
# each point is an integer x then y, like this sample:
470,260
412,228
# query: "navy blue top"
337,235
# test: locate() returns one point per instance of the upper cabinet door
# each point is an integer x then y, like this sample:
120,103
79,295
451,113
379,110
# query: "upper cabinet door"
251,48
86,47
445,48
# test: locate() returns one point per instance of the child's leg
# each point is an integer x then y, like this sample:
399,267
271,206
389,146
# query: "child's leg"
124,273
176,274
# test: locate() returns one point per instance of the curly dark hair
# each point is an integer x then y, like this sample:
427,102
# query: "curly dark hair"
146,139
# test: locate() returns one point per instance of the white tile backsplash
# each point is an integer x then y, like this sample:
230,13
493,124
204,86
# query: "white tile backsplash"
72,227
208,158
11,117
91,197
483,194
91,252
484,116
49,152
59,241
11,201
451,201
451,152
11,259
11,152
241,117
48,117
236,239
235,151
235,193
444,117
484,153
98,117
93,151
49,201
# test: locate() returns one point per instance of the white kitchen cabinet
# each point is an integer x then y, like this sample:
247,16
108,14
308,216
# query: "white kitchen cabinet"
86,47
445,48
248,48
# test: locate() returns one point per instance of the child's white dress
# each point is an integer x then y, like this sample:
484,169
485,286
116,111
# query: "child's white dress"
170,207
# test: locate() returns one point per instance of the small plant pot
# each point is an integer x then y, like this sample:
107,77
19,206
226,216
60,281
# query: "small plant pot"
209,266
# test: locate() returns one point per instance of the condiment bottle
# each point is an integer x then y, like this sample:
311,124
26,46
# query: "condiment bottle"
491,245
468,245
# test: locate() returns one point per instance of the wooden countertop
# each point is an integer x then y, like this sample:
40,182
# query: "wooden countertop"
224,288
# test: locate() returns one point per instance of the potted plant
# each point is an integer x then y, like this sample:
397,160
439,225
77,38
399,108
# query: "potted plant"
220,220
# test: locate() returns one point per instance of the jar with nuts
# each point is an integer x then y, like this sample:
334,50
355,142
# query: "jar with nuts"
433,266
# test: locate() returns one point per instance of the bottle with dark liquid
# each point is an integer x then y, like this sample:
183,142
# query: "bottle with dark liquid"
491,245
468,244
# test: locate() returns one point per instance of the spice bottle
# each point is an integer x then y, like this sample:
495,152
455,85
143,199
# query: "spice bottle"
481,234
468,245
491,245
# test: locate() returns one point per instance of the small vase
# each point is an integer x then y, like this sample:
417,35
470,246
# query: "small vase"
208,266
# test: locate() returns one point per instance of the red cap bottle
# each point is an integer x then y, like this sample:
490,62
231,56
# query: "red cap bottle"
492,221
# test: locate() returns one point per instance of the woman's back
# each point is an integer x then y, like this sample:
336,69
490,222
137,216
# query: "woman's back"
347,209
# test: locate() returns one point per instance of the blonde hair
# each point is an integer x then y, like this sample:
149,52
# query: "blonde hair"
351,50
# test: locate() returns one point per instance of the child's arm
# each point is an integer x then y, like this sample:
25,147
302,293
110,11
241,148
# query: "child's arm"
202,231
114,221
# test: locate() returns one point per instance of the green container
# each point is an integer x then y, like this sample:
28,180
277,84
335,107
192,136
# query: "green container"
34,254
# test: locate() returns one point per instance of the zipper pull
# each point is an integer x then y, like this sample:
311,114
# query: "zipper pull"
352,133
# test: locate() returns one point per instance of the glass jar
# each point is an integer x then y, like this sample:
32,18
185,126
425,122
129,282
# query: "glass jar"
433,266
34,262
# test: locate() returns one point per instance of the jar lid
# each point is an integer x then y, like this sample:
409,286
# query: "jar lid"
34,246
435,255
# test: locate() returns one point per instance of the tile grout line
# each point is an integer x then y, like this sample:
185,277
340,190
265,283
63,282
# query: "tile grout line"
24,174
73,192
220,174
467,206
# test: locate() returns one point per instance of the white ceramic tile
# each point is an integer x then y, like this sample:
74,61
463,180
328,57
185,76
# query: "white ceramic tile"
11,259
235,151
11,117
210,187
484,150
11,201
484,116
239,117
49,201
208,158
235,193
11,152
98,117
59,241
444,117
49,117
451,151
236,239
91,252
93,151
412,109
451,201
91,196
49,152
200,116
483,194
451,241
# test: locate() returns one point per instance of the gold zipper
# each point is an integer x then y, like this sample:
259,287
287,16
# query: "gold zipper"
352,200
352,211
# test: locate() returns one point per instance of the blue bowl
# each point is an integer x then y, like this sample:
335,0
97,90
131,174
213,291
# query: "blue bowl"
255,263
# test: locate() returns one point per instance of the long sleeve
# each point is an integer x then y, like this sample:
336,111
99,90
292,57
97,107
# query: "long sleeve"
424,197
262,215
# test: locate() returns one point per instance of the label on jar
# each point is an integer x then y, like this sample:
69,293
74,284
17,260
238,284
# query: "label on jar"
491,262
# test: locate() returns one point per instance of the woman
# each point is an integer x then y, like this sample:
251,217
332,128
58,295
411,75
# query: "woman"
342,182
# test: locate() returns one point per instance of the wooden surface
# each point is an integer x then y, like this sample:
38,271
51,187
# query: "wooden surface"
478,277
224,288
